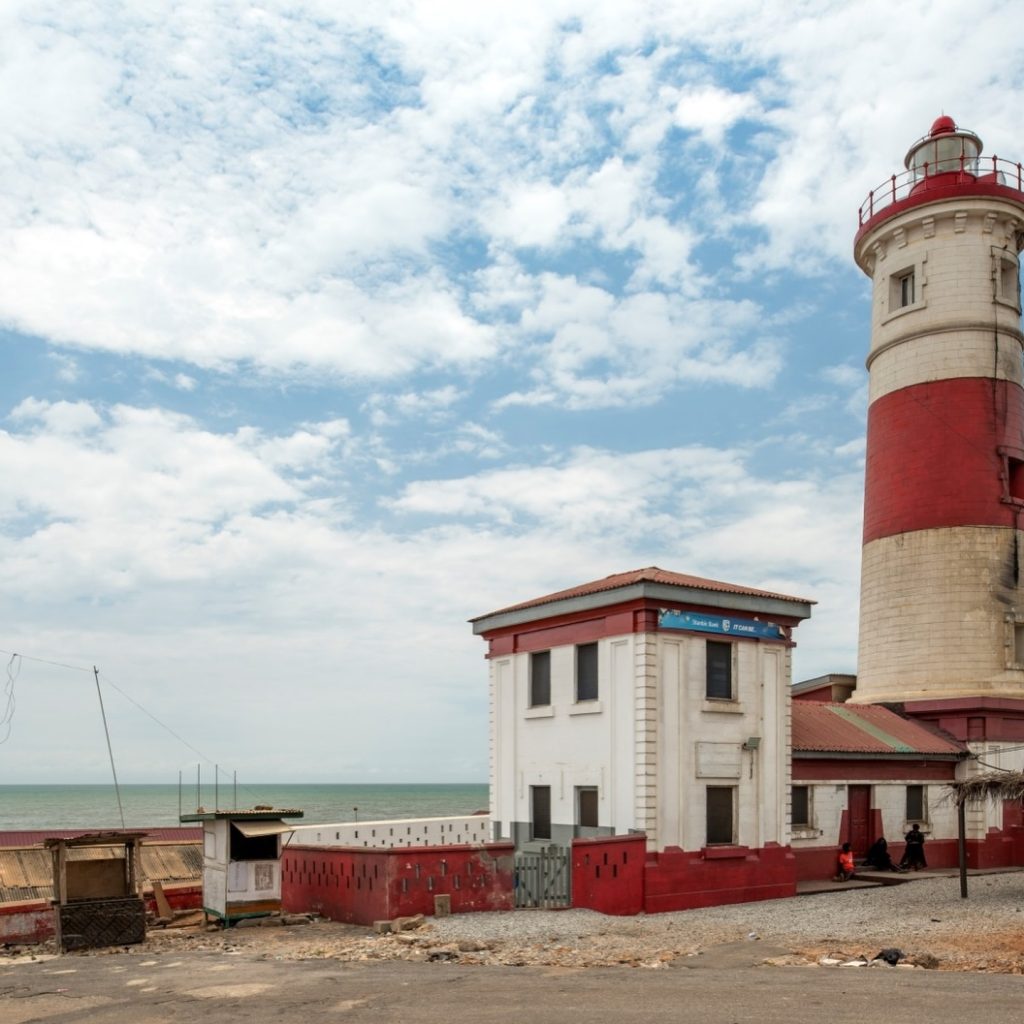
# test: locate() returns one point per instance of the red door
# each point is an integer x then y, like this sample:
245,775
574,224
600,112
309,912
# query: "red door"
859,813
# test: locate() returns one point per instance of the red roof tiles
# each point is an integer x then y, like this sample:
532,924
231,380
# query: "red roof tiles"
652,574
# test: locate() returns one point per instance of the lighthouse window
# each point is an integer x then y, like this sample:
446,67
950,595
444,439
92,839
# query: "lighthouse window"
903,290
1007,274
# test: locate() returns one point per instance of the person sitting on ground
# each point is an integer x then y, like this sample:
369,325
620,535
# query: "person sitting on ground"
878,856
913,856
845,864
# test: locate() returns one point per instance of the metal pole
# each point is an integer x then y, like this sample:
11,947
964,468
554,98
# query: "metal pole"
216,787
179,796
234,792
961,848
199,769
110,749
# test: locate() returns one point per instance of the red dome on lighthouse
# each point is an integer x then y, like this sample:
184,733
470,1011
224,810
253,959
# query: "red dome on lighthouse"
942,126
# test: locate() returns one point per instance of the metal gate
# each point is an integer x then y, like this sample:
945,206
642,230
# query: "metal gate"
543,878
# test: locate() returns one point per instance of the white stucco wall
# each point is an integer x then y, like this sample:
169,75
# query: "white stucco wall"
687,722
651,743
565,744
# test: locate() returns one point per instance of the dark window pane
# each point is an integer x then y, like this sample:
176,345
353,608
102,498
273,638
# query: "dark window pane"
586,800
719,814
252,847
801,806
915,803
540,812
540,678
586,672
719,670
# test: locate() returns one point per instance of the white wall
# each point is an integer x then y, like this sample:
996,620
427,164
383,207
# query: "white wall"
688,724
628,742
565,744
470,829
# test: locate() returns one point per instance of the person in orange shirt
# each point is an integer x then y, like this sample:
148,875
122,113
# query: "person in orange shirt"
845,864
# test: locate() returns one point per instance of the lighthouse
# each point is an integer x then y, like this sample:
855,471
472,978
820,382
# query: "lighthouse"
942,584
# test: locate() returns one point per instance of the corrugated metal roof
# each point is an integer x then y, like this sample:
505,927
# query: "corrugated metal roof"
652,574
26,873
864,729
35,837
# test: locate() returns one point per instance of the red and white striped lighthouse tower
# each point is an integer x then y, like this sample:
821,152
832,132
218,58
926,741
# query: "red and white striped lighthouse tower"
942,585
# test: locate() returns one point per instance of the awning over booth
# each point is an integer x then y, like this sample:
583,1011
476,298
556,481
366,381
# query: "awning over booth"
252,829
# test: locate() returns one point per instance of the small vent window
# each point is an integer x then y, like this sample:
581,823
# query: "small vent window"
1007,274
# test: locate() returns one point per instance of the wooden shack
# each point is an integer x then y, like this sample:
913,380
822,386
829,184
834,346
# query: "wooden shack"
98,902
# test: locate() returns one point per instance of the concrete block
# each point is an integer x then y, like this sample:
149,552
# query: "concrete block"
442,905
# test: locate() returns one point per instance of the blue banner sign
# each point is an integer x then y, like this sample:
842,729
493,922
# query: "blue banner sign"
719,624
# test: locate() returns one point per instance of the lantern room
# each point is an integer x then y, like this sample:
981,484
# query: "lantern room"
946,149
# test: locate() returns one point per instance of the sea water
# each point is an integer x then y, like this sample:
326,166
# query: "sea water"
96,806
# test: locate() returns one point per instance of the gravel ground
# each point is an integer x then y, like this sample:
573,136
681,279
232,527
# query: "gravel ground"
925,918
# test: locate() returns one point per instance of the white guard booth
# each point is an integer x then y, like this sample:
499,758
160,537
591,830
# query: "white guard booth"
242,861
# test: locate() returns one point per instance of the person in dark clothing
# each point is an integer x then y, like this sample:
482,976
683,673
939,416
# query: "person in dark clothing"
913,856
878,856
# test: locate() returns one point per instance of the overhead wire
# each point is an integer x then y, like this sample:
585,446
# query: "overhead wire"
5,718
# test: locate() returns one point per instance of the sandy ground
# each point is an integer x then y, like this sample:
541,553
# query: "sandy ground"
926,920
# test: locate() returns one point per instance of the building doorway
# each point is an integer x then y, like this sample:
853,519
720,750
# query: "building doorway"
858,812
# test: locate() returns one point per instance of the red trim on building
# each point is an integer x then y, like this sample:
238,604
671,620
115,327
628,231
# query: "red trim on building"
844,770
360,886
678,879
608,874
637,616
956,187
993,719
933,458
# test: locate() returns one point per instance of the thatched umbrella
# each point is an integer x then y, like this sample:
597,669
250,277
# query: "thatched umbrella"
997,785
992,785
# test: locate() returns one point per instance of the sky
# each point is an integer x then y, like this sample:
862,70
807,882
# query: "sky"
325,327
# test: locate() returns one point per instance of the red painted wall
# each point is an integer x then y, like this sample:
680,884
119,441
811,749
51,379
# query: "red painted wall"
32,921
932,459
608,874
25,922
973,718
814,769
360,886
640,616
681,879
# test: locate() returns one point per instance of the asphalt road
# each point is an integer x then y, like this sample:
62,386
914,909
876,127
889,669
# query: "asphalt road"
213,987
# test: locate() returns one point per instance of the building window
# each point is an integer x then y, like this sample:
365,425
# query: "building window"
801,803
718,679
540,679
721,826
586,806
917,810
906,290
905,286
586,672
540,812
1007,275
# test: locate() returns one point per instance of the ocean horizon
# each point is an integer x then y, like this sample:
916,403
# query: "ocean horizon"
94,806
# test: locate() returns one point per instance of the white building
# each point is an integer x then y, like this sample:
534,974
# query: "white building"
655,702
